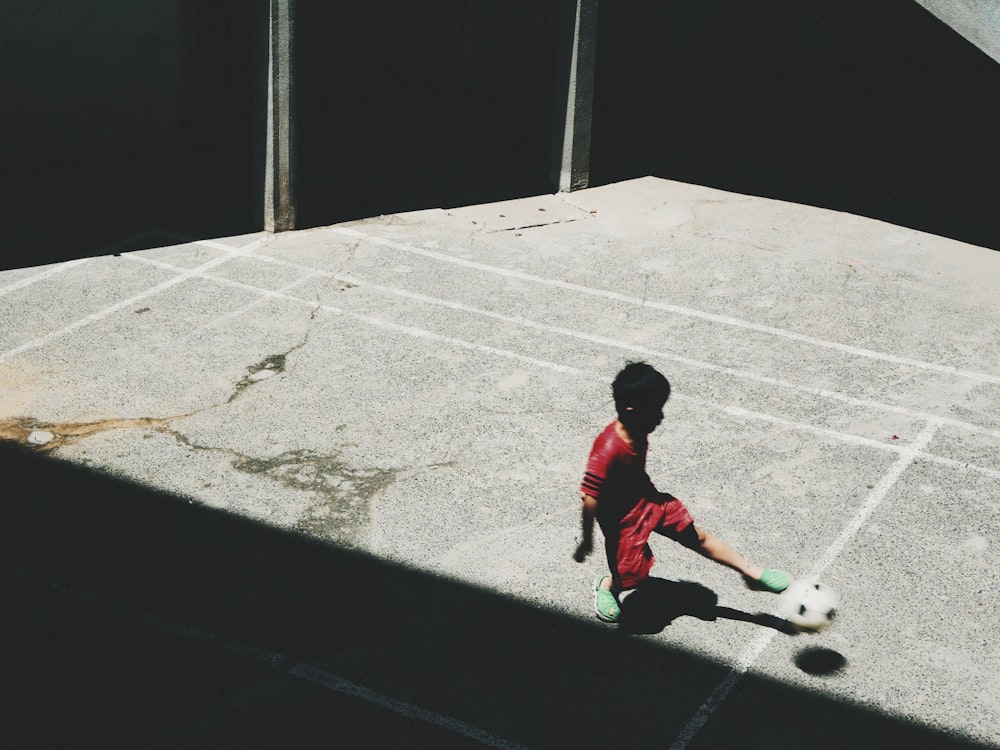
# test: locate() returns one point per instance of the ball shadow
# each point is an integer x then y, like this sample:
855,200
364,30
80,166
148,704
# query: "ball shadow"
816,660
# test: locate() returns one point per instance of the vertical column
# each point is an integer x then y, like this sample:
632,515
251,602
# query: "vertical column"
574,163
279,183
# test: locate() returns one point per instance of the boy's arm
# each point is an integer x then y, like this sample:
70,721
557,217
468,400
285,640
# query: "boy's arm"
588,511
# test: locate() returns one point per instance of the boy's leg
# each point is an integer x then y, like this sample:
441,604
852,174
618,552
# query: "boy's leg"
716,549
629,560
606,590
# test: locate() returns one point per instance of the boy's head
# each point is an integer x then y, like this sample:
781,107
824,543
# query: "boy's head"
640,393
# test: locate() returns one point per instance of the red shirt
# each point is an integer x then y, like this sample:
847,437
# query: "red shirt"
616,475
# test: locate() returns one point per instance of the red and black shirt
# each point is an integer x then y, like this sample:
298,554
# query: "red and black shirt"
616,475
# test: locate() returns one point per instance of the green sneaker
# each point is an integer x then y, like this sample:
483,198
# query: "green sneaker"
774,581
607,606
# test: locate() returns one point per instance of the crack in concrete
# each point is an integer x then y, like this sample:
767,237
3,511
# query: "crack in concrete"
273,364
46,436
536,226
266,368
352,250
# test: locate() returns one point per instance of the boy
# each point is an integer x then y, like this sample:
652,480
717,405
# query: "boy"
617,491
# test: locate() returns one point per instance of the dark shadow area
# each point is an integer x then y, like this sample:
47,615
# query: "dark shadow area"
132,618
133,124
876,109
403,106
656,603
128,124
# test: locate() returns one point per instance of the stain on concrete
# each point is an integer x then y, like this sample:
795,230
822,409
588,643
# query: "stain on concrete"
267,367
344,493
46,436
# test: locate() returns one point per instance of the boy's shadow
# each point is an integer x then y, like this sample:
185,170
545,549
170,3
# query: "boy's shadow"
657,602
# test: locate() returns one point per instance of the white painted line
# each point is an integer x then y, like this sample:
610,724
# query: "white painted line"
100,314
256,303
419,333
636,349
249,247
42,276
545,364
845,437
763,640
964,465
906,457
739,411
675,309
302,671
332,682
719,695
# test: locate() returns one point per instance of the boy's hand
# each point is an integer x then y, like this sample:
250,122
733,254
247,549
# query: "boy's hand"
585,548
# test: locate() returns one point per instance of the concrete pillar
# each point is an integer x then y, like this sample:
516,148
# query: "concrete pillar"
279,170
574,159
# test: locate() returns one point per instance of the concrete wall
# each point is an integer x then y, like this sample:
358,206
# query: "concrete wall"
127,116
65,62
875,108
134,115
412,105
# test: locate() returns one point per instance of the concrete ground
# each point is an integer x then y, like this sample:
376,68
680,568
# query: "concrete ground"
287,489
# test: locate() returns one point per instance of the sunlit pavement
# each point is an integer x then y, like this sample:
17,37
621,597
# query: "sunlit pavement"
422,390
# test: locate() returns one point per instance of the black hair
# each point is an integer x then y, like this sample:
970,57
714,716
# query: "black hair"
639,384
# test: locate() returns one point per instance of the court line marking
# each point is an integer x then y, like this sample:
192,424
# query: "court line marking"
264,239
749,657
184,275
276,660
47,273
419,333
907,455
339,684
422,333
675,309
738,411
248,251
634,348
256,303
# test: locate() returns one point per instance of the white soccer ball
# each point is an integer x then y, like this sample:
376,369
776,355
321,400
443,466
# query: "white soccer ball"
809,605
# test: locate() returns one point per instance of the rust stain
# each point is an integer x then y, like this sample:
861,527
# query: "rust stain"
19,428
